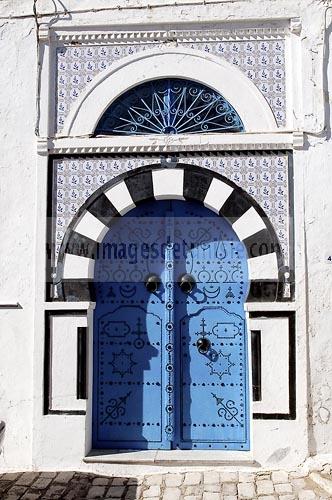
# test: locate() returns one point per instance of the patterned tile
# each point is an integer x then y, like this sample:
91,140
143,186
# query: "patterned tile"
263,61
264,176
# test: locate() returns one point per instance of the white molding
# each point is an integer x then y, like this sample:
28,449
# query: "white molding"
44,34
168,184
175,143
180,62
289,82
44,85
294,83
69,306
88,225
189,35
298,140
42,147
263,307
120,198
63,342
168,148
295,25
274,364
248,224
263,267
76,267
191,458
217,194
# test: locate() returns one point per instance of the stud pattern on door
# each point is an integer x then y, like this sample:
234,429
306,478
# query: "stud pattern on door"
129,346
213,398
169,326
171,366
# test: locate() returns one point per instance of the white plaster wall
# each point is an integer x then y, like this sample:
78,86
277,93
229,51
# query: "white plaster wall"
316,166
21,333
315,162
17,230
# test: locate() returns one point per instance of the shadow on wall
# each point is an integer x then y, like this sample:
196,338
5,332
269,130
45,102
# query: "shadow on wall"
2,434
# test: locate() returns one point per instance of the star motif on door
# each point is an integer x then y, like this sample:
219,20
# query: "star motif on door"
122,363
222,365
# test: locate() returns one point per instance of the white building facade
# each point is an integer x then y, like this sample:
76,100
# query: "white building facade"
218,113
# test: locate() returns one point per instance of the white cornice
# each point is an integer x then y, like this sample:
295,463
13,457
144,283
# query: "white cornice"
165,149
298,140
42,146
189,36
44,33
295,26
158,144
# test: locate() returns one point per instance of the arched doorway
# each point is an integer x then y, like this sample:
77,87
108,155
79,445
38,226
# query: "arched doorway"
170,344
117,197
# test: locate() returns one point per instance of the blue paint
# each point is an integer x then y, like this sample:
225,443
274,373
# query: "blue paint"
153,389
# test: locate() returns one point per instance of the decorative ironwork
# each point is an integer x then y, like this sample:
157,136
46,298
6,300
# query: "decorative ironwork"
213,312
139,343
228,409
116,407
169,349
169,106
169,326
223,367
203,333
122,363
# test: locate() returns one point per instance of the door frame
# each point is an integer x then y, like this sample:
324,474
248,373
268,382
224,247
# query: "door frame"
171,420
267,273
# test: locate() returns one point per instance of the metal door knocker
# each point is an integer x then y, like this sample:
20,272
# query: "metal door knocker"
152,283
187,283
203,345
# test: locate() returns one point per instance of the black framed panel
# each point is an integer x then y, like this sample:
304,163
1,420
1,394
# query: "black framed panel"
291,315
81,392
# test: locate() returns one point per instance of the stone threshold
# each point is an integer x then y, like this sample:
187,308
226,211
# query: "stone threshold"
171,457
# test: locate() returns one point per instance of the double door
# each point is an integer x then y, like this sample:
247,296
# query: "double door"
170,344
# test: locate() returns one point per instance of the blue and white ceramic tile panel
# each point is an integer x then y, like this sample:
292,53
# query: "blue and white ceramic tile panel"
263,175
263,61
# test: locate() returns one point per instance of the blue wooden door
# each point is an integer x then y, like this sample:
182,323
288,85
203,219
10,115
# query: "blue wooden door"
212,389
170,359
129,345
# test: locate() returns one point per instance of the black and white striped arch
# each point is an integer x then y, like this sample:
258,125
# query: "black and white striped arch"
120,195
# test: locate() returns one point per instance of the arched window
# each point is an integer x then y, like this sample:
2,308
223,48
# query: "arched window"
169,106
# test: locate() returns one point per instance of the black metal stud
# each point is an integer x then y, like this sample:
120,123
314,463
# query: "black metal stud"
203,345
152,283
187,283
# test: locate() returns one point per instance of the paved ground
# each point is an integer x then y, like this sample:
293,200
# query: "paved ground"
211,485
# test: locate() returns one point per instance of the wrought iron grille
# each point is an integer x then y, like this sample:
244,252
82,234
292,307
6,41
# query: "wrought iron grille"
169,106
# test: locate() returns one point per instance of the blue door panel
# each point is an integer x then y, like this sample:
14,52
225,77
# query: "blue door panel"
213,395
129,343
133,364
153,388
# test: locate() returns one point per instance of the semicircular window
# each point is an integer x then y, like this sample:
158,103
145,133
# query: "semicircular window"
169,106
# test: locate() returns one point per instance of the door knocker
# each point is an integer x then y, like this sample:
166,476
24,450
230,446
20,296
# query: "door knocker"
187,283
203,345
152,283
